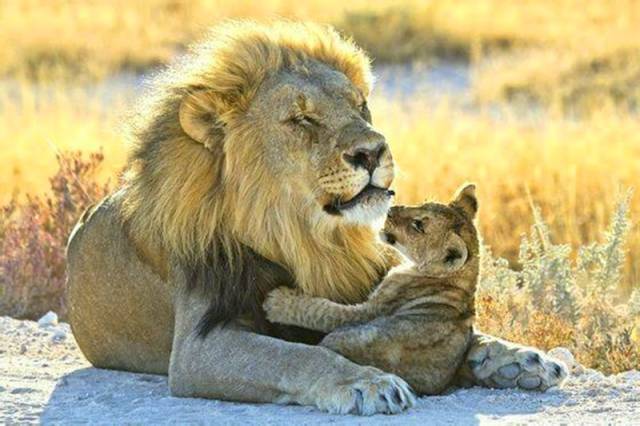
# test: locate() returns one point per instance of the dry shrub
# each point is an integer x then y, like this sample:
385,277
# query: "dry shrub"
33,236
556,301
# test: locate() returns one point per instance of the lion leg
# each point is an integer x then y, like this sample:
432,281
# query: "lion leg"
120,310
233,363
494,362
286,306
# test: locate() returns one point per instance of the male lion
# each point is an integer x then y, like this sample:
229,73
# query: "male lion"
253,164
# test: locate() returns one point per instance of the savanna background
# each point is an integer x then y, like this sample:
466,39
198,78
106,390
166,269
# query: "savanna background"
536,101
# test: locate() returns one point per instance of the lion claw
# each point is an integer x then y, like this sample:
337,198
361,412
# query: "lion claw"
380,393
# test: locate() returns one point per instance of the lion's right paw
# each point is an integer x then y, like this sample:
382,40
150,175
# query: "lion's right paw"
278,304
380,393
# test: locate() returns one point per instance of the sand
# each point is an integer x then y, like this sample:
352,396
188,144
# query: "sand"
44,378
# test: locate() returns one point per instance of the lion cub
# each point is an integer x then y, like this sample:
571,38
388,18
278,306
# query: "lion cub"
418,322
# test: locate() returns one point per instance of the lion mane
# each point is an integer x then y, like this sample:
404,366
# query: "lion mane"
231,228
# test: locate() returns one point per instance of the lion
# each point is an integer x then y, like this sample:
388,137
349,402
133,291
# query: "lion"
418,322
253,163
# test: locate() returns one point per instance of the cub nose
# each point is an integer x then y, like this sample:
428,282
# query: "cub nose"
365,157
452,255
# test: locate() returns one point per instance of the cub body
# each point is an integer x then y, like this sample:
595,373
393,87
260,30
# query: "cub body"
418,322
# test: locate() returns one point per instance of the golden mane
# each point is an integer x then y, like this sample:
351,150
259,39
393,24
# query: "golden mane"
186,199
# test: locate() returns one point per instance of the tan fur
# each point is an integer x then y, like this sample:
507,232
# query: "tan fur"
418,321
254,163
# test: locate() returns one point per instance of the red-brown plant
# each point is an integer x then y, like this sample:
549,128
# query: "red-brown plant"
33,237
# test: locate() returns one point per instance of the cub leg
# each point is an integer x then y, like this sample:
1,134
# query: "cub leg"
284,305
426,355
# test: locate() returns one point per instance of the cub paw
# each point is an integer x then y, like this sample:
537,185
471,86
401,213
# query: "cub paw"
376,393
278,303
500,364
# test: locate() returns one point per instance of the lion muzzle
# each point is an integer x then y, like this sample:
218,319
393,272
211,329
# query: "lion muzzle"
359,183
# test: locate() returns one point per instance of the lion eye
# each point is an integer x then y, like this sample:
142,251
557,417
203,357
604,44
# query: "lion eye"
417,225
364,111
303,120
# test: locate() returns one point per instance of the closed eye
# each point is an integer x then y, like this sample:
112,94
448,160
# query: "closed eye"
418,225
457,228
304,120
364,111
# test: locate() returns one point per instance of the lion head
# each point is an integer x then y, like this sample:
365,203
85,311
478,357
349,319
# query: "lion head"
262,138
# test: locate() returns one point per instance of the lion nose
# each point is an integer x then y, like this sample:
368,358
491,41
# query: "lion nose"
365,157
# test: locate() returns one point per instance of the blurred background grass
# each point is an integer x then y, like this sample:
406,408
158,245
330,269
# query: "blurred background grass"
550,105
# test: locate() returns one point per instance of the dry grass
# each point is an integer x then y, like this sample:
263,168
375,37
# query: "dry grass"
565,80
33,129
572,169
558,52
95,38
561,52
45,38
567,167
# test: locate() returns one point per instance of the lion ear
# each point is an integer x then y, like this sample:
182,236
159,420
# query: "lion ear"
466,200
199,120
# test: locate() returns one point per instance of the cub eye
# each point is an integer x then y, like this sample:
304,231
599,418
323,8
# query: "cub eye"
417,225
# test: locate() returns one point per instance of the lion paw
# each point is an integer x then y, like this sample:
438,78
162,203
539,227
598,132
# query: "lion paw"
502,364
378,393
278,304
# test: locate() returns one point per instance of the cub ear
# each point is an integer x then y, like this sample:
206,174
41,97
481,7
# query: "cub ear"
466,200
199,120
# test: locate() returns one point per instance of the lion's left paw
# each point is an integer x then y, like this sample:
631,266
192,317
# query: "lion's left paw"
501,364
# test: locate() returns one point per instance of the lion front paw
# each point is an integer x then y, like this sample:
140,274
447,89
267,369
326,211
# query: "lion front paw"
375,393
279,303
500,364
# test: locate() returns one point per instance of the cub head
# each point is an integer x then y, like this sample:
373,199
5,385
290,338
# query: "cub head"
441,239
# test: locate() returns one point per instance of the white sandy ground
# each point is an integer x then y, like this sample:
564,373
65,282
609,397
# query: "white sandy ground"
44,378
